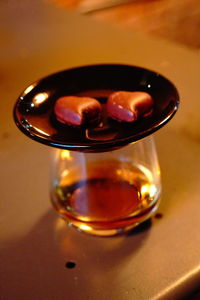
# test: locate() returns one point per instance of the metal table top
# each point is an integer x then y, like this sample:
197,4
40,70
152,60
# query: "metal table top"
161,259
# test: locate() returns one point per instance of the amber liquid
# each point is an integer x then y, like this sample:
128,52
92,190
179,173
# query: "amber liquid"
114,195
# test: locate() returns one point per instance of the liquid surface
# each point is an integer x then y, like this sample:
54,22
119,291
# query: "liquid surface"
113,193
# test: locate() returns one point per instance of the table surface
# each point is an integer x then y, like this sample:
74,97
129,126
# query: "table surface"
173,19
160,260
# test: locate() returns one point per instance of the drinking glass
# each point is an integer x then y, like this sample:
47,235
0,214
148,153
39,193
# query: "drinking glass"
109,192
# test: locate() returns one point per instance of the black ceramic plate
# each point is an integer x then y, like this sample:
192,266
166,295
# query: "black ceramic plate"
33,112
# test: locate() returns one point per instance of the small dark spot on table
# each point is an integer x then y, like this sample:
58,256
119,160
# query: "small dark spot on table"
158,215
5,135
70,265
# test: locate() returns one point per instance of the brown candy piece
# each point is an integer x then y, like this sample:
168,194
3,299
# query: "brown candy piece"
129,106
75,110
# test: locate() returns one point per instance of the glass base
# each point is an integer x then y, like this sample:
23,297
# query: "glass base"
112,228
